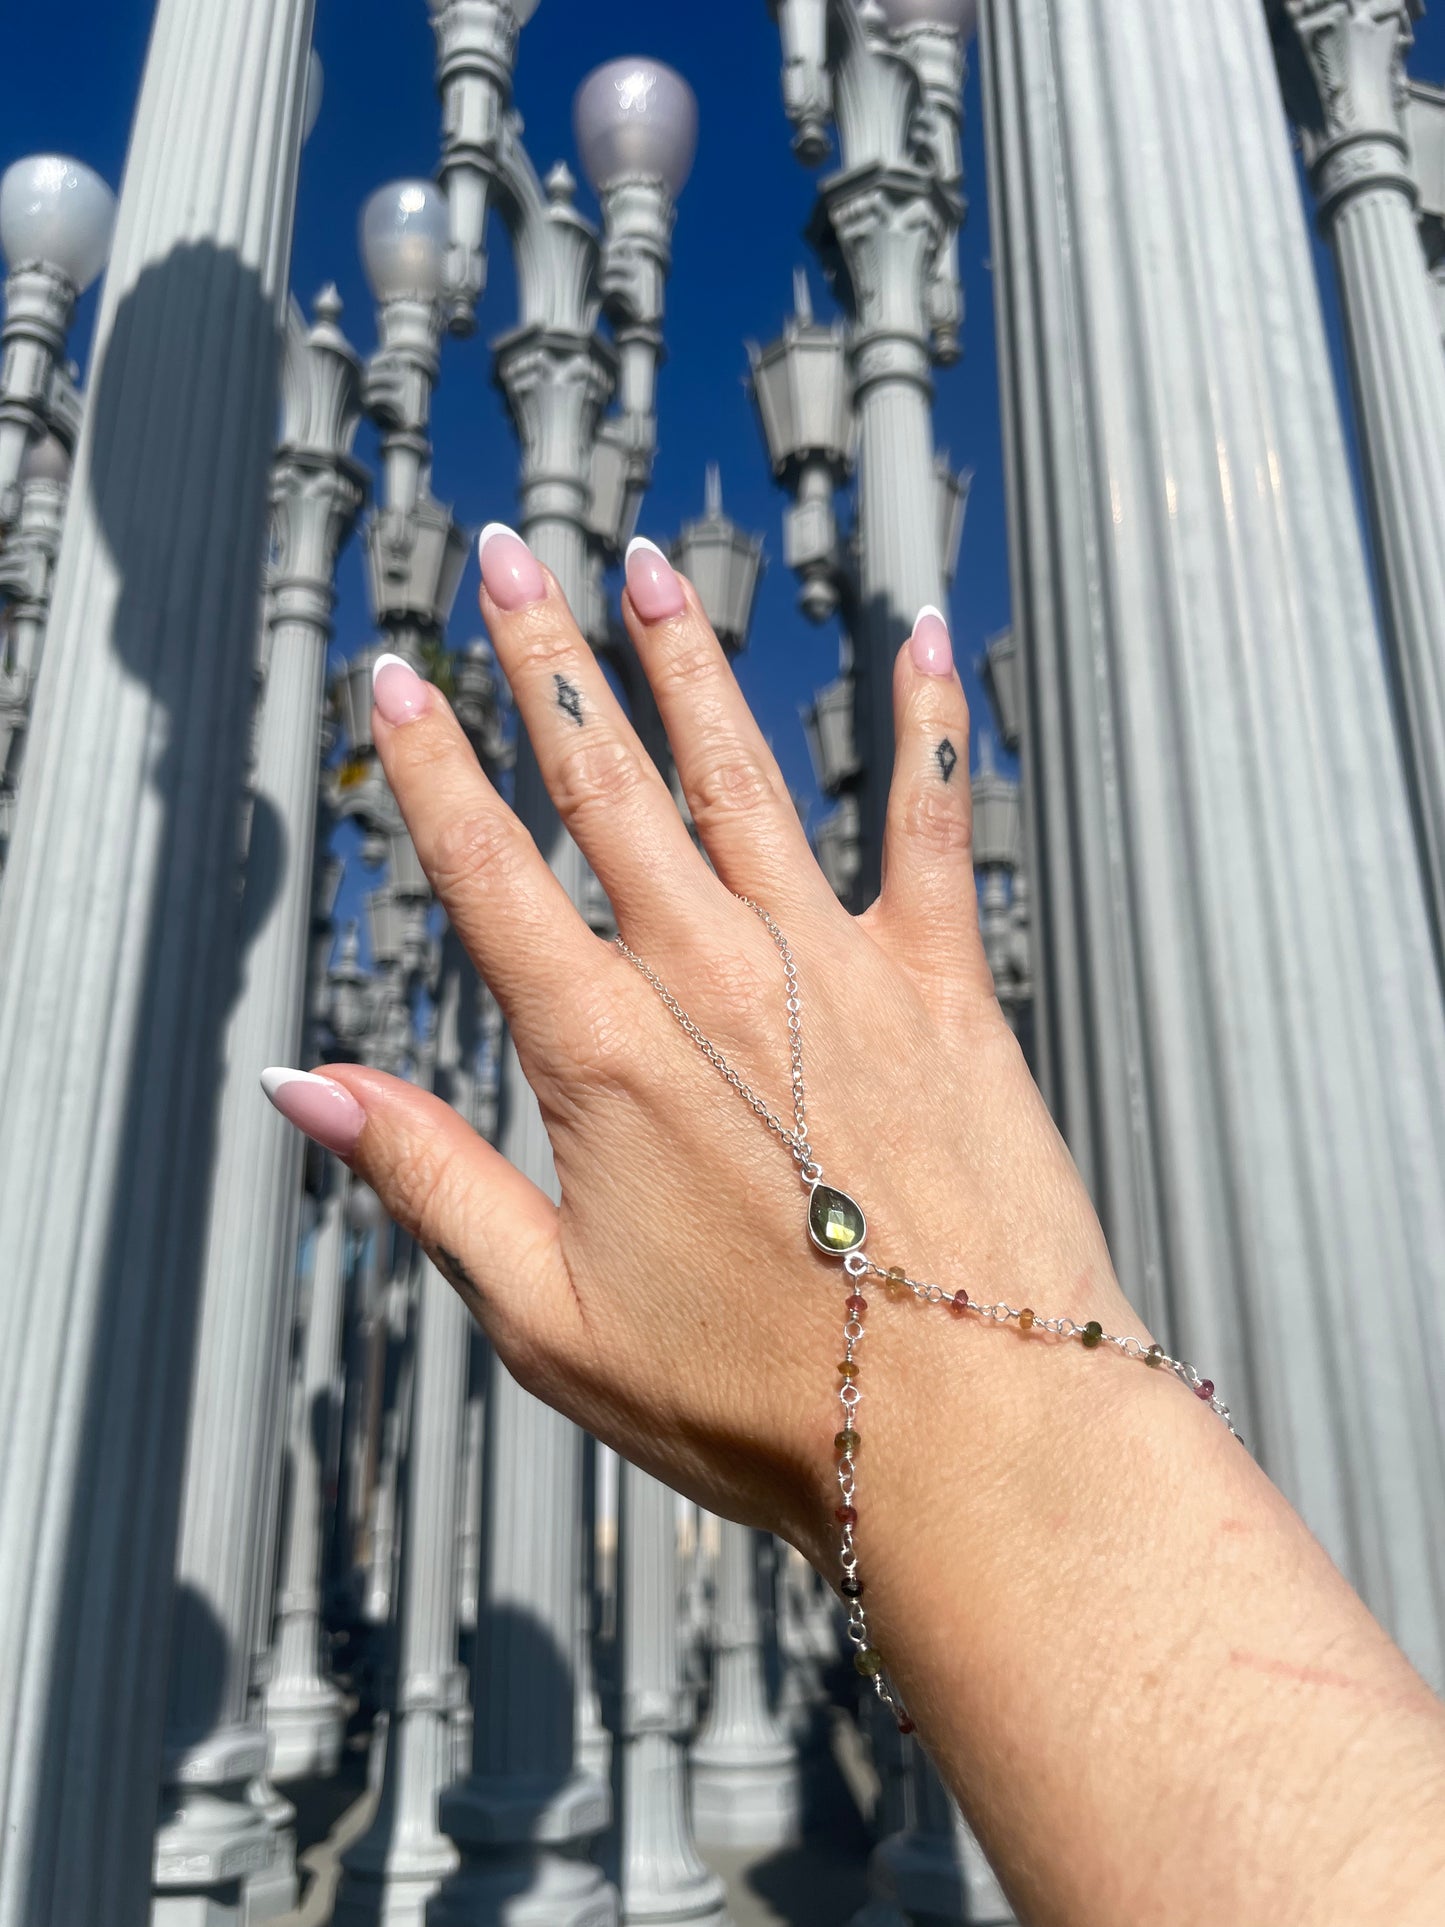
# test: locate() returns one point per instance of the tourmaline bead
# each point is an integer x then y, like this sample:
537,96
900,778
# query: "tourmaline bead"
869,1662
1026,1320
847,1440
905,1725
1205,1388
852,1589
1092,1333
857,1305
959,1302
848,1368
846,1515
895,1277
1154,1355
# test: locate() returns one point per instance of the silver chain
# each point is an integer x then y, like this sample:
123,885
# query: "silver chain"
796,1139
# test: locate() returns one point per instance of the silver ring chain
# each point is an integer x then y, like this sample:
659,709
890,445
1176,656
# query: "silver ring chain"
796,1139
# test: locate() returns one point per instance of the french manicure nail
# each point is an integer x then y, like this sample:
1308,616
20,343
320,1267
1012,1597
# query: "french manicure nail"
929,645
398,691
512,574
652,582
315,1105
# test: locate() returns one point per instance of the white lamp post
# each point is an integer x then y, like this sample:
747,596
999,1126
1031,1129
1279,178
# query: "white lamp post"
56,220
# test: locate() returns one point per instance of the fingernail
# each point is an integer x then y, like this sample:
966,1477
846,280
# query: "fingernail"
512,574
398,691
652,582
315,1105
929,645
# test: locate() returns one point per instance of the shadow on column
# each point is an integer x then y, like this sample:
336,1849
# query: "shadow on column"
189,560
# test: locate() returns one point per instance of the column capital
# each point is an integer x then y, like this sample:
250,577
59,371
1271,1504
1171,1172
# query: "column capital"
1343,67
884,226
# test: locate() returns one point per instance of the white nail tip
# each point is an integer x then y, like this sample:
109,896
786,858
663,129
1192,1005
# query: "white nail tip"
929,610
640,545
495,528
277,1075
382,662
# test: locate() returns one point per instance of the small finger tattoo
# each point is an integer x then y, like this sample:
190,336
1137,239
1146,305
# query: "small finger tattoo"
569,699
452,1267
946,757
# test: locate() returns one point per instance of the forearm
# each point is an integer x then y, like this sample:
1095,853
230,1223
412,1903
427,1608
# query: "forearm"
1154,1695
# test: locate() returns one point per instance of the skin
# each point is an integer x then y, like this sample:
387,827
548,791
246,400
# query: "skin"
1153,1695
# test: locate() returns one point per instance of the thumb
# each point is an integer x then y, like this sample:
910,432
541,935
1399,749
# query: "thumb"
487,1228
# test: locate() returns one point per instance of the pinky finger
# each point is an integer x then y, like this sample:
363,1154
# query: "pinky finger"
928,901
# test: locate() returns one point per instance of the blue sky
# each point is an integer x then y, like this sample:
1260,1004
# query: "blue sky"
738,240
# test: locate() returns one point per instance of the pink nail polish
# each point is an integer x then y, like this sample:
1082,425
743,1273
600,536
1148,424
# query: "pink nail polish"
511,573
929,645
398,691
652,582
315,1105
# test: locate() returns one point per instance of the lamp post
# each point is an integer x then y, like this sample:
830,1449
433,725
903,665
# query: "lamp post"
746,1790
305,1709
115,990
522,1816
1241,1032
889,78
28,553
56,219
1425,131
214,1746
1342,66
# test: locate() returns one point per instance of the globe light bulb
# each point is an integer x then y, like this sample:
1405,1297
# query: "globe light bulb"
315,89
404,240
58,212
635,119
46,460
960,15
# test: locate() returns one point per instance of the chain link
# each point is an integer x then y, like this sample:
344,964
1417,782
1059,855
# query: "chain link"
796,1139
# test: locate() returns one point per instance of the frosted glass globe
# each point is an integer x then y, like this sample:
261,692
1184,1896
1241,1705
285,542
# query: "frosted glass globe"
635,117
315,89
47,460
961,15
56,211
404,240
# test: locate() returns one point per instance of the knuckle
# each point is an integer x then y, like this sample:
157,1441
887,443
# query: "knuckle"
422,1182
690,666
731,786
938,822
594,771
542,650
602,1043
474,843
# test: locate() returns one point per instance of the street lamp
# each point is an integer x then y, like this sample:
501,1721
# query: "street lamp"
56,219
724,564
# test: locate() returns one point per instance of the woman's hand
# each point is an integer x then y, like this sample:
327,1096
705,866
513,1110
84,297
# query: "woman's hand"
671,1301
1154,1696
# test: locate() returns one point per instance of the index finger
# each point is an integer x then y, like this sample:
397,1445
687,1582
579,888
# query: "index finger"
519,925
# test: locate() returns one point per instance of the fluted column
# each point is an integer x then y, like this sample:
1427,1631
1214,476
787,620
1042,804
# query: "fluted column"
393,1870
1241,1018
1342,62
888,231
120,935
745,1781
214,1742
661,1879
524,1815
305,1710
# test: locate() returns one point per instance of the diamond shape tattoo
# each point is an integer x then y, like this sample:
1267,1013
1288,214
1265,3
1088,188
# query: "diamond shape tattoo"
946,757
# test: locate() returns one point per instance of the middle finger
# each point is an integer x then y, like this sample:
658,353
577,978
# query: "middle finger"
605,786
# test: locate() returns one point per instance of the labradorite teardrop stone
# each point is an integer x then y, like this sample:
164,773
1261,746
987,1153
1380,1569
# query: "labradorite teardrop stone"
834,1221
